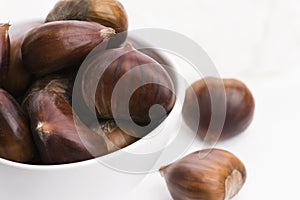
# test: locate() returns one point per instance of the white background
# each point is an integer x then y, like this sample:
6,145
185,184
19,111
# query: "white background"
256,41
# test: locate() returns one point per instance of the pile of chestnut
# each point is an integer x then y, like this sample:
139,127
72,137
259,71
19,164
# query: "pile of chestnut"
39,125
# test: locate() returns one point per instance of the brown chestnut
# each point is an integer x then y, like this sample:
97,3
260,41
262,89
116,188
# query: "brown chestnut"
238,100
110,13
59,45
148,81
4,49
17,78
211,174
58,138
15,137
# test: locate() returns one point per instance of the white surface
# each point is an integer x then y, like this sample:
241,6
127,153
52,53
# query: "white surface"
257,41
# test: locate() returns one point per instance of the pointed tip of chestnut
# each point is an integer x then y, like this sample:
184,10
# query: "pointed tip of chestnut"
162,170
129,46
107,32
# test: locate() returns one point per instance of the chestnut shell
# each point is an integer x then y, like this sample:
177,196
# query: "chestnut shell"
210,174
239,102
159,91
54,130
17,79
15,137
110,13
55,46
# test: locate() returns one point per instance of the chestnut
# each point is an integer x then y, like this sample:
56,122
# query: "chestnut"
147,79
15,137
110,13
17,78
210,174
60,45
238,99
58,137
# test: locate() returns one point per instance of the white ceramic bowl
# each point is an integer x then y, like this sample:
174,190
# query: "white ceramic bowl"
89,179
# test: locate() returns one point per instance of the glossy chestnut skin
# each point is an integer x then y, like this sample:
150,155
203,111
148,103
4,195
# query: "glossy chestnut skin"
110,13
211,174
17,78
4,49
115,137
238,99
55,46
159,91
15,137
57,137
